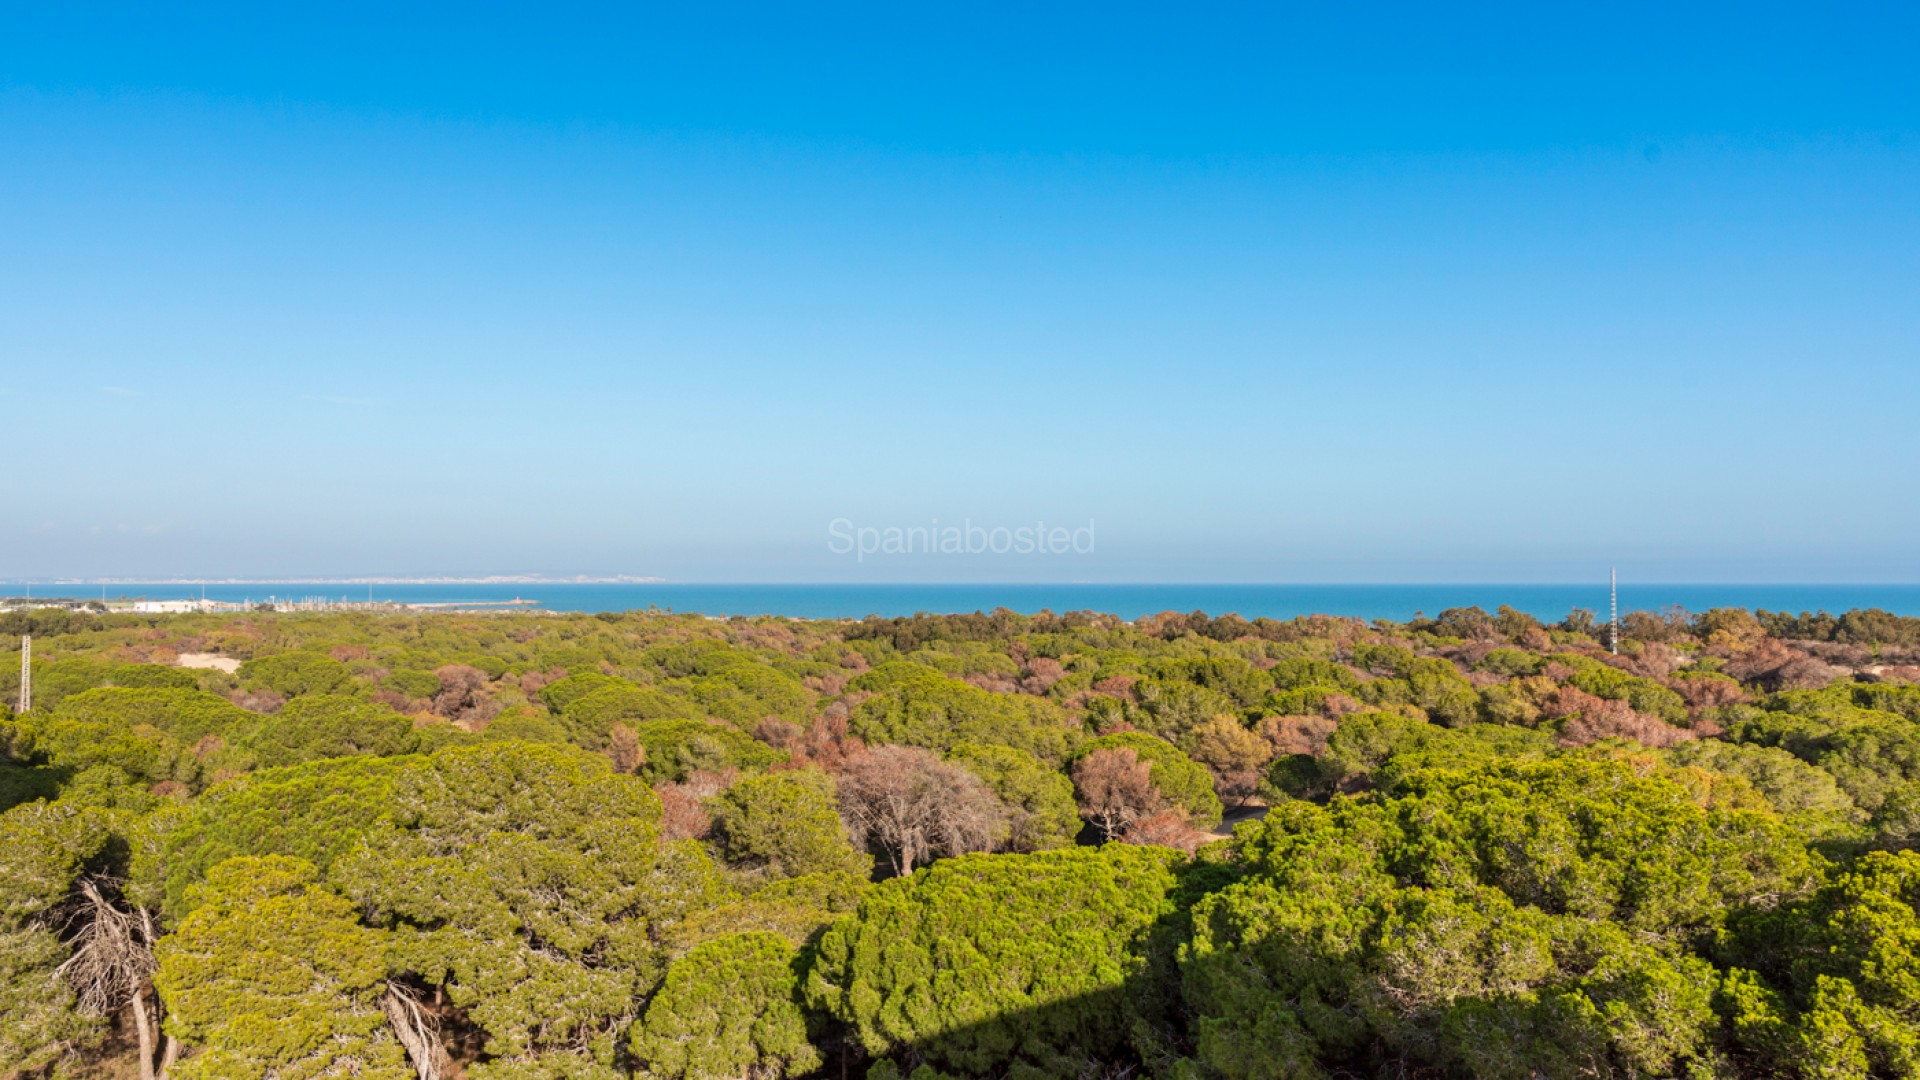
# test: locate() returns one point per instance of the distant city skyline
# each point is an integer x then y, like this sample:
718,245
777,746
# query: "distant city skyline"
1395,294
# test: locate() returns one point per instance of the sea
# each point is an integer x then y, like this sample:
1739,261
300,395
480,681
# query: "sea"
854,601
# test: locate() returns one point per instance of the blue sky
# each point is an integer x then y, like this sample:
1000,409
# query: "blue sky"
1344,293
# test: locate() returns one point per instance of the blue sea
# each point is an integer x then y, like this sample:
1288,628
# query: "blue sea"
1396,602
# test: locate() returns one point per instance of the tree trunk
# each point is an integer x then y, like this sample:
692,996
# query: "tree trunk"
417,1032
143,1028
169,1049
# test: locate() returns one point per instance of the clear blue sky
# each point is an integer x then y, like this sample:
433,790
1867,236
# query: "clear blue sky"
1320,293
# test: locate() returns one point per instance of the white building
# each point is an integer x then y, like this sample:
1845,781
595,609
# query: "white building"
165,607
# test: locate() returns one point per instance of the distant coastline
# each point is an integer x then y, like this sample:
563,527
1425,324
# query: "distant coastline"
493,579
850,601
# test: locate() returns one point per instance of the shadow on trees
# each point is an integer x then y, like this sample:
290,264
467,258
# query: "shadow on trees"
1133,1027
22,783
1084,1036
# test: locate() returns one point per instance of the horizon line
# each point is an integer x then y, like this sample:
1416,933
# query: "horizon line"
507,579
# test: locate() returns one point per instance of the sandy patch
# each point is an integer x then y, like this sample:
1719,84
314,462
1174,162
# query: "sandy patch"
209,660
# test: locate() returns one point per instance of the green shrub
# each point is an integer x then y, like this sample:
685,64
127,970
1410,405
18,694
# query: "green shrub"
1040,799
984,960
296,673
730,1008
784,825
274,976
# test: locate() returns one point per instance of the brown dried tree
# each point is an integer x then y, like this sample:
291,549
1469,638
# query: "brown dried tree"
625,749
1586,719
1765,664
1168,828
1115,789
462,693
1708,693
1042,672
532,682
417,1027
826,742
907,804
779,734
681,815
1290,735
683,812
112,968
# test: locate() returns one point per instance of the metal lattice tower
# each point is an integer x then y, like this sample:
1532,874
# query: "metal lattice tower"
26,672
1613,617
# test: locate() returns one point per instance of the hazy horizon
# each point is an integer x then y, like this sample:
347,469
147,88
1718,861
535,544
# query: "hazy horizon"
639,580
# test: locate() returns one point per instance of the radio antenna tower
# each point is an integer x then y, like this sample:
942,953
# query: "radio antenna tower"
26,672
1613,618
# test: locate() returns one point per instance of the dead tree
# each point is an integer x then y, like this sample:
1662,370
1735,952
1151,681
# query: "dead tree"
1114,789
914,807
418,1031
112,968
